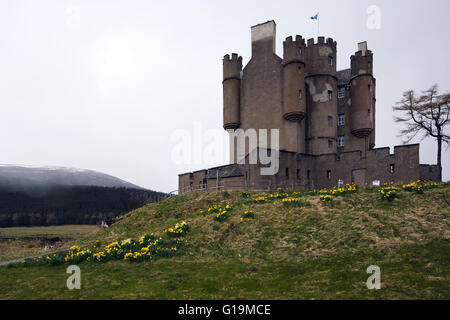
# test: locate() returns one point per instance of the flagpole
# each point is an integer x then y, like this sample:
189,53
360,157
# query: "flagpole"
318,26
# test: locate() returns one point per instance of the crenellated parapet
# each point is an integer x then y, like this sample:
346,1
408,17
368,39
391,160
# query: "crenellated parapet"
321,57
294,50
232,66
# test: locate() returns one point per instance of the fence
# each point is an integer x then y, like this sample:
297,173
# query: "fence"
243,186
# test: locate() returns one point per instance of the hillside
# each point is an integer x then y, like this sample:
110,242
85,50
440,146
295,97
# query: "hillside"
289,249
18,177
59,205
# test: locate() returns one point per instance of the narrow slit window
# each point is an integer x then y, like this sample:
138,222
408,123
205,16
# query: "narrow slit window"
300,70
328,174
330,60
392,168
330,95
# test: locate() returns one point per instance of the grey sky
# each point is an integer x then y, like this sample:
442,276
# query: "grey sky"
102,85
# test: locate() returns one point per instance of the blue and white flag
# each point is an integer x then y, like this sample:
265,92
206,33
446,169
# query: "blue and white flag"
315,17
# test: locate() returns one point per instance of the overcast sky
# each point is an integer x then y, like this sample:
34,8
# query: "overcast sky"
103,85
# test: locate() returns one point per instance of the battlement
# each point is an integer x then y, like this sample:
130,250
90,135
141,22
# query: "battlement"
321,42
299,41
232,67
293,49
368,53
234,58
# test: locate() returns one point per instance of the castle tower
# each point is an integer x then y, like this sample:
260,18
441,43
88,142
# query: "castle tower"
232,69
321,87
363,95
294,95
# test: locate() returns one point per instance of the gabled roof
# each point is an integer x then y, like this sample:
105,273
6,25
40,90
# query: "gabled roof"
228,171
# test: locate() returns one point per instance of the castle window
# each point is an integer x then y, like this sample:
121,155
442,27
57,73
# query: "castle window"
300,70
391,168
299,94
298,173
330,144
308,174
330,121
341,92
341,141
330,95
287,172
330,60
341,120
300,50
329,174
369,64
368,87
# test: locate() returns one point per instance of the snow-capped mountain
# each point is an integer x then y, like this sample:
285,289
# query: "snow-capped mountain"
23,177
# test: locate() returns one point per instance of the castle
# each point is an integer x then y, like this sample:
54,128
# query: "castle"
325,120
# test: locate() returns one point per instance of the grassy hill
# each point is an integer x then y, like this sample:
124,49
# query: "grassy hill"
298,249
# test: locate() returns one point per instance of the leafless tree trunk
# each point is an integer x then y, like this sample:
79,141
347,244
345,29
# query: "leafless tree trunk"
427,115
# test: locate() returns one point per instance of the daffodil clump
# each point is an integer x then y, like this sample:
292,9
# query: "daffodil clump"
348,188
178,231
222,206
146,248
278,195
295,202
389,192
419,186
326,198
260,199
248,214
413,187
221,216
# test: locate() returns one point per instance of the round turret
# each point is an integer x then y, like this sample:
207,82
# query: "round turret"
294,95
321,84
231,91
362,93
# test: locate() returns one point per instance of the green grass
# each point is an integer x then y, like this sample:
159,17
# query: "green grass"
19,247
316,252
63,232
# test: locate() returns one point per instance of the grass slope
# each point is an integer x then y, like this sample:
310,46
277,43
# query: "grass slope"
316,252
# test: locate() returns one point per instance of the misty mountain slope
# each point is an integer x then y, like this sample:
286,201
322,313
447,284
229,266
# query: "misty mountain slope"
16,177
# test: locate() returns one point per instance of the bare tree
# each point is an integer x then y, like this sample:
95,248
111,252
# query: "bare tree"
427,115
